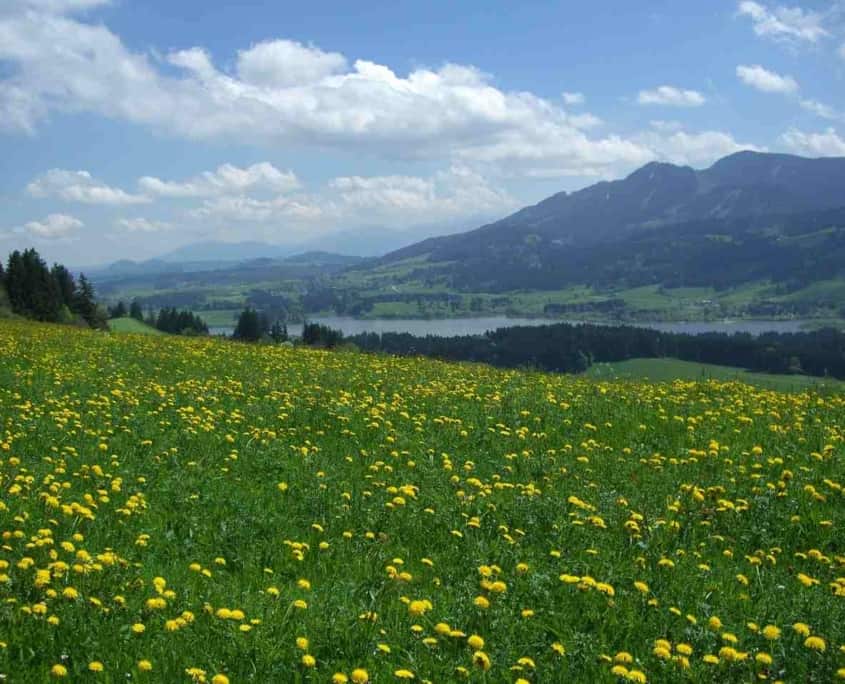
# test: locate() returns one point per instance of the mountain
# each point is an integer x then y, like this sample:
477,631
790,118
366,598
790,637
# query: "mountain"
742,215
225,251
742,184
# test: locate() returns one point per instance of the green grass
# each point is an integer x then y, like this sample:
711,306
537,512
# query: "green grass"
131,325
246,505
662,370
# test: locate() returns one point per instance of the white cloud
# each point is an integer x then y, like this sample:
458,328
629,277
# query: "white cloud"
791,24
664,126
820,109
227,179
250,209
825,144
671,96
694,149
573,98
142,225
397,201
54,226
285,92
841,51
80,186
284,63
765,80
447,195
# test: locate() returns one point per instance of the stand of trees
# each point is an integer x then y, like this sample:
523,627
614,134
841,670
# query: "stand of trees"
573,348
254,326
48,294
175,322
119,310
318,335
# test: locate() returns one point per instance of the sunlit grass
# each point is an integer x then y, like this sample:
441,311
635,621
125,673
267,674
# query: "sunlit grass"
177,509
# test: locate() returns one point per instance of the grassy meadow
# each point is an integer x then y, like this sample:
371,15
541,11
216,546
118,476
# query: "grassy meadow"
127,324
668,369
187,509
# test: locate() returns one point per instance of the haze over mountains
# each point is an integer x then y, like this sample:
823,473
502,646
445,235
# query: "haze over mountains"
750,217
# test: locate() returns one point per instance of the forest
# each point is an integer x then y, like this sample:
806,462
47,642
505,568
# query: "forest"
568,348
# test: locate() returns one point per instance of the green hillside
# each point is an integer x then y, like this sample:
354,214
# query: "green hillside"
127,324
196,510
663,370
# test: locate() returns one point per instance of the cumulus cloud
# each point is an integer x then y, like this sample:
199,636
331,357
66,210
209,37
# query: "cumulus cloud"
692,148
227,179
828,143
80,186
52,227
449,194
820,109
671,96
143,225
285,63
573,98
765,80
791,24
283,91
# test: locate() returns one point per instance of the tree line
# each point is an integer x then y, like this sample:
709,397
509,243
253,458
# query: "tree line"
41,293
572,348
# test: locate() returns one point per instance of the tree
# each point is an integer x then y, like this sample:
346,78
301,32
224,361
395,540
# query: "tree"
316,335
33,290
135,310
279,332
15,283
85,305
249,327
65,283
118,311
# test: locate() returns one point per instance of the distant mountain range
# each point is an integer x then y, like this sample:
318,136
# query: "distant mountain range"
749,216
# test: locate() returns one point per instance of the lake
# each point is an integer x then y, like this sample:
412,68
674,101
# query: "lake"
450,327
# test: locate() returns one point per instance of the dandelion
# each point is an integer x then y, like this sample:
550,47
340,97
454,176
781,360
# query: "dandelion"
771,632
95,666
815,643
481,660
359,676
58,671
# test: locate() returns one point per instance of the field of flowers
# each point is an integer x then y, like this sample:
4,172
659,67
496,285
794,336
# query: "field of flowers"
180,509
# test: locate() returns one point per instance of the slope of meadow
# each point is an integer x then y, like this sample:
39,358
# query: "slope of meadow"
176,509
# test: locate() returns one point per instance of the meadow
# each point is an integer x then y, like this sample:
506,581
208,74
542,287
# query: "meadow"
189,509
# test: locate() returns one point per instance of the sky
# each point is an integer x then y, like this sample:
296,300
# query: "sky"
130,128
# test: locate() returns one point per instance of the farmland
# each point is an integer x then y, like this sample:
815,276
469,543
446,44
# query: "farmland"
178,509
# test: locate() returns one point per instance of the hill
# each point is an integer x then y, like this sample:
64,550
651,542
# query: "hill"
668,370
749,217
277,514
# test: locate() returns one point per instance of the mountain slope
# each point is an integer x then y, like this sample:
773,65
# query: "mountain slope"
742,184
737,220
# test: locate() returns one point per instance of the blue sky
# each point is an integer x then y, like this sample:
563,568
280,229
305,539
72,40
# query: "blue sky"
130,128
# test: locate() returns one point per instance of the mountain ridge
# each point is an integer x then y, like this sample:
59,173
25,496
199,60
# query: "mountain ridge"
659,193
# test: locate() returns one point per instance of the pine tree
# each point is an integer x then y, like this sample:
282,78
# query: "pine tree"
248,328
135,310
42,300
66,284
84,304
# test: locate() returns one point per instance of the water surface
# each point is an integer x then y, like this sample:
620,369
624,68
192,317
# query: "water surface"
450,327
